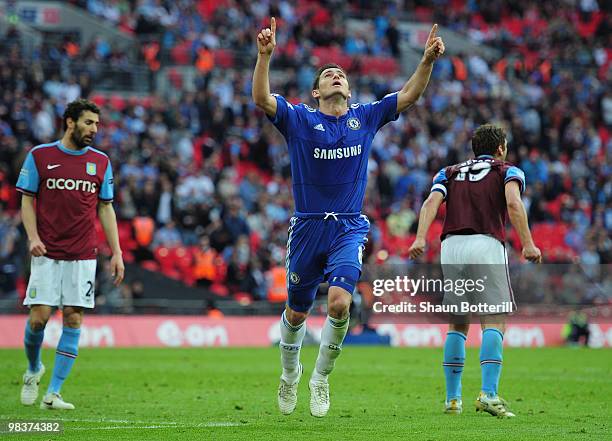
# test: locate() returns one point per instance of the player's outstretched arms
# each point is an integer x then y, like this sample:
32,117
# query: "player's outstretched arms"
415,86
518,217
266,42
108,219
28,216
426,217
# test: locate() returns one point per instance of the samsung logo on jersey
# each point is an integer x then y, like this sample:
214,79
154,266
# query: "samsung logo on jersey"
71,184
339,153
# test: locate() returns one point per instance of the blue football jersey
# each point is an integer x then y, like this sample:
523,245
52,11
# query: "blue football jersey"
329,155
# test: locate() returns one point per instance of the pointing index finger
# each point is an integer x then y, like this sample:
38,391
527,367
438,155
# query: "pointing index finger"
273,25
432,33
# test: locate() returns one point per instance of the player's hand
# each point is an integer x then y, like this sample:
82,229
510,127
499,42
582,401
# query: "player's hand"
532,253
434,48
117,268
37,248
266,39
417,248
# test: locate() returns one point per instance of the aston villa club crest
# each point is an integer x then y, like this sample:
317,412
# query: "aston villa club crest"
91,168
353,124
32,293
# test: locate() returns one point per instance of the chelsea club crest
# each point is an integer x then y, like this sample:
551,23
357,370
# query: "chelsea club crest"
353,124
294,278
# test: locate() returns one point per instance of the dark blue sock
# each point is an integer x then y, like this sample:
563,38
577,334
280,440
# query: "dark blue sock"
454,359
67,351
491,359
33,342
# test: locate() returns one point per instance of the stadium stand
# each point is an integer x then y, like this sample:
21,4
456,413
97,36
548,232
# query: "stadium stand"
202,179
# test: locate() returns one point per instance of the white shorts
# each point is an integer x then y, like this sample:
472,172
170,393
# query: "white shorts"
61,282
477,257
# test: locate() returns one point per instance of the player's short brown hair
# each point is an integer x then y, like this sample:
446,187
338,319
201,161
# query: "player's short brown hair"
75,109
315,83
487,138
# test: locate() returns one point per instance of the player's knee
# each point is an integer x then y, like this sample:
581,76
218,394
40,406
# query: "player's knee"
295,318
73,320
339,304
37,323
460,327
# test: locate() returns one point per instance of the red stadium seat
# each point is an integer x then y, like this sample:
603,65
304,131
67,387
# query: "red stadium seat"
100,100
181,53
126,238
224,58
150,265
244,298
117,102
163,257
219,289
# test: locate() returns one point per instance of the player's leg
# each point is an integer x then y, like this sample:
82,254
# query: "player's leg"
453,268
292,331
304,274
343,269
342,283
454,360
493,269
35,333
78,278
334,330
42,294
65,356
33,339
491,351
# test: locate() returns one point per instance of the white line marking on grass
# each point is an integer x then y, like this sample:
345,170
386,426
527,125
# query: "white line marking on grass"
147,424
91,420
175,426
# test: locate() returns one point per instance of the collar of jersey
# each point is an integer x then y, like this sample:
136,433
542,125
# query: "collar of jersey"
331,117
71,152
485,156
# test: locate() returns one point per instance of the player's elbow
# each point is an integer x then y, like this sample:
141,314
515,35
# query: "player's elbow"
260,99
514,205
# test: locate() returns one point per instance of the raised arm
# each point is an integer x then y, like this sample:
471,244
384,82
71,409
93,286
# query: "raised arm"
415,86
518,217
426,217
266,42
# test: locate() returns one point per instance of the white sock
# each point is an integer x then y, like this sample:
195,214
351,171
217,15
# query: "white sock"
332,337
290,345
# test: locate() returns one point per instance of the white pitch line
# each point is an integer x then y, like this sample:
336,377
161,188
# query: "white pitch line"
89,420
185,426
150,424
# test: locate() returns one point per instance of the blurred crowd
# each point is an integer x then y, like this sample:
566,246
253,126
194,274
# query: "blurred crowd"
205,170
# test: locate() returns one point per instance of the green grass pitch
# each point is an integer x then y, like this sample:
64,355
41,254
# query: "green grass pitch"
376,394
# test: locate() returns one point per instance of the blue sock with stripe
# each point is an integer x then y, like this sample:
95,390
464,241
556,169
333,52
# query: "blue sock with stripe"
491,359
67,351
454,360
33,342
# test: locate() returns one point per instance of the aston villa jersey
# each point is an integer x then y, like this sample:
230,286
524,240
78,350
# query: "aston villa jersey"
67,185
475,196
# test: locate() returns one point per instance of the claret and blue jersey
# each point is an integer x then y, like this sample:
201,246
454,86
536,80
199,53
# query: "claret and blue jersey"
67,185
329,163
474,192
